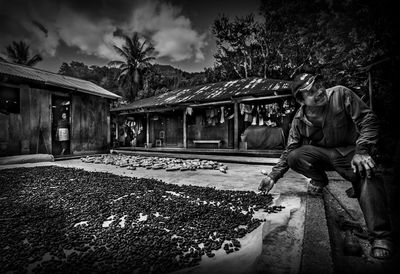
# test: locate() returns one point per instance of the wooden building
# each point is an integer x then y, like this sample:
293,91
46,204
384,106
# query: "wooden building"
225,115
31,103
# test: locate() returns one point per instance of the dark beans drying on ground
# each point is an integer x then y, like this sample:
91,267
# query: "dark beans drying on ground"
64,220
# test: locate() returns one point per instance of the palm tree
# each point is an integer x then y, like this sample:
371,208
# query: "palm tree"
18,52
136,61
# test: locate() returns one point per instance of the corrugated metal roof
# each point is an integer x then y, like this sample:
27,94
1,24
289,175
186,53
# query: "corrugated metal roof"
214,92
54,79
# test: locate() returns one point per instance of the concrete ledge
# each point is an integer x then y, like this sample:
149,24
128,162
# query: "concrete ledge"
219,158
23,159
271,153
317,253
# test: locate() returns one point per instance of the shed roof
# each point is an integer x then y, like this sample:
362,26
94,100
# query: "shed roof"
214,92
54,79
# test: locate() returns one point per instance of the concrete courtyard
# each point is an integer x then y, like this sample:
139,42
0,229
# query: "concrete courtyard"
274,247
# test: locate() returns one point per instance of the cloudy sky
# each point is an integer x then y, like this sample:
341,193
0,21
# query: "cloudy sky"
83,30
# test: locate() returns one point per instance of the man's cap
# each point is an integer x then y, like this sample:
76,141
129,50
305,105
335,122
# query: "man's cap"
303,81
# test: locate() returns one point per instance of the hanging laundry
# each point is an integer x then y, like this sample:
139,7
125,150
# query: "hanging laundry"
248,117
222,120
189,111
254,122
242,107
260,120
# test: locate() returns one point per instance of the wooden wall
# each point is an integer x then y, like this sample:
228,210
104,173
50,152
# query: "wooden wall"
90,124
20,129
172,125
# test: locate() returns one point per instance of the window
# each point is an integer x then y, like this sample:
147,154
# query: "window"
9,100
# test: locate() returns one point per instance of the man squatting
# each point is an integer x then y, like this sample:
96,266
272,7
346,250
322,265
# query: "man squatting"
335,130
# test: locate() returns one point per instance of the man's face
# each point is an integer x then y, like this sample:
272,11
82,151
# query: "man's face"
316,96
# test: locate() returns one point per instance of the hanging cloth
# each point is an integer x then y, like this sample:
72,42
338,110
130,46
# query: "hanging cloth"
260,120
248,117
222,120
242,107
254,122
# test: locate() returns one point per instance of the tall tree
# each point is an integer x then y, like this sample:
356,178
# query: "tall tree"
136,55
333,37
18,52
236,45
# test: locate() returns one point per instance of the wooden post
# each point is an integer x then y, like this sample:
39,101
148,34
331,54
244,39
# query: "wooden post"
116,131
370,88
236,125
147,128
108,129
184,129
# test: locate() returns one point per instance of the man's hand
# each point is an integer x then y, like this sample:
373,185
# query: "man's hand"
364,164
266,184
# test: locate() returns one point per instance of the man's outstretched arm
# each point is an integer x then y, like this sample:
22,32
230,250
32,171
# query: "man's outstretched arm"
294,141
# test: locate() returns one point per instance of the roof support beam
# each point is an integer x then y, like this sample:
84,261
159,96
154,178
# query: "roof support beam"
212,103
249,99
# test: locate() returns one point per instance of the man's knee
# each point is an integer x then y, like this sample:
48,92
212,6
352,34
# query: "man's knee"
295,158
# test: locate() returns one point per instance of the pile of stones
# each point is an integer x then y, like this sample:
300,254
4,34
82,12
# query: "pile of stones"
55,219
169,164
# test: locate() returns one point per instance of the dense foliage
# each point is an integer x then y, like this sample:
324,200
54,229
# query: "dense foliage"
103,76
336,38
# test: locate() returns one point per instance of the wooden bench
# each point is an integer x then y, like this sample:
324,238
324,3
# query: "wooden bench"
217,142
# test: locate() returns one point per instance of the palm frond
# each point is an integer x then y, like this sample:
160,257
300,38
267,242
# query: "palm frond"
18,52
34,60
121,52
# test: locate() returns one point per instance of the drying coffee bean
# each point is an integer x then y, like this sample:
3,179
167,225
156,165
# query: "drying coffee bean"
152,217
210,254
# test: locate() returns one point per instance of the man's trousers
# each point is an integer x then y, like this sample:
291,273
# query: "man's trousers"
312,162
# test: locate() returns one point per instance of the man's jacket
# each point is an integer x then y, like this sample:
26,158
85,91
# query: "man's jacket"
348,124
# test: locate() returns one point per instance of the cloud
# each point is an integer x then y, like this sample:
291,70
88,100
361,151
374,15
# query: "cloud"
179,44
90,26
91,37
171,33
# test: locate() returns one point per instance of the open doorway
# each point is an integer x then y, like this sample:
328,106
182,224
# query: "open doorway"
61,125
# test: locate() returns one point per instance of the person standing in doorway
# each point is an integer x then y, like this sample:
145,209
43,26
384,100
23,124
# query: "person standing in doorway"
62,134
